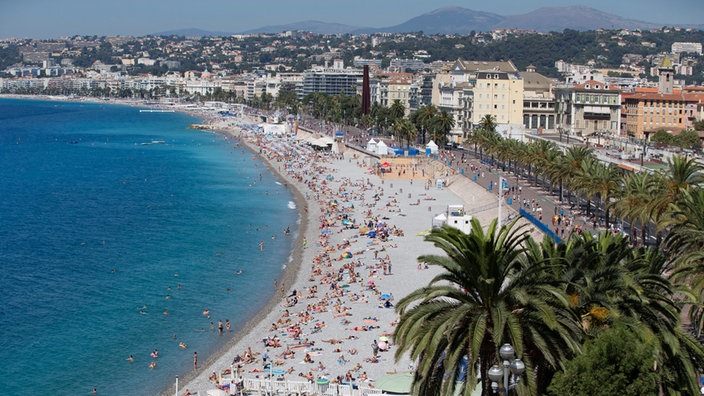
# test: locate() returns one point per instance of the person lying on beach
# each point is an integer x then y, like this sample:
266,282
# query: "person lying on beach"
333,341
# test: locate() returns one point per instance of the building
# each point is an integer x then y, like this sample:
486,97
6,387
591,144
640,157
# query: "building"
331,81
456,90
387,88
692,48
585,109
499,94
538,101
648,111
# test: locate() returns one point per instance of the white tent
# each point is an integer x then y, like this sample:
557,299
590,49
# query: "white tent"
274,129
432,146
382,148
439,220
371,145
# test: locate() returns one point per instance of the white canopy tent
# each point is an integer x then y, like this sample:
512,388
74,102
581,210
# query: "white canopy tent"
382,148
432,146
371,145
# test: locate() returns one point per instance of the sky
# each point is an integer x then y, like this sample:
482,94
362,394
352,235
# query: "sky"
59,18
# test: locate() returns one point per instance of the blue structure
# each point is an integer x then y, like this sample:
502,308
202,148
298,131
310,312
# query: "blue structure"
542,227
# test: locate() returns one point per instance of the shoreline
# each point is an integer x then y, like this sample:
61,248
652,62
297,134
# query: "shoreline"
290,275
403,208
408,205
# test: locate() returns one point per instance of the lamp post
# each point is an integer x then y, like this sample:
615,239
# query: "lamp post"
510,363
642,154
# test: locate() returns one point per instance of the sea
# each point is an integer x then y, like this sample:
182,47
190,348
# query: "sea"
118,229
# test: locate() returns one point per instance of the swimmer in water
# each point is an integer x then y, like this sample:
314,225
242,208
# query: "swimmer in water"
130,359
206,313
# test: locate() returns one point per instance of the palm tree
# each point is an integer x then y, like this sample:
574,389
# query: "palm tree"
686,237
488,123
397,110
442,125
605,183
607,281
487,295
540,153
405,129
570,165
681,174
422,119
635,203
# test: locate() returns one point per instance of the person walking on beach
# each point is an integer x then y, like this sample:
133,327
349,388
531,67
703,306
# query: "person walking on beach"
375,348
195,360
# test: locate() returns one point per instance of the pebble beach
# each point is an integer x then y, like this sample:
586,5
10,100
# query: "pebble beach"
359,238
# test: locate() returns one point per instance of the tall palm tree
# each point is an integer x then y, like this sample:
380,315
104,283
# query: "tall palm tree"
686,237
635,203
423,118
607,281
398,110
605,183
488,123
405,129
681,174
540,152
442,125
487,295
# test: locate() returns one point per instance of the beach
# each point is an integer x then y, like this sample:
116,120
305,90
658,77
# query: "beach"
359,238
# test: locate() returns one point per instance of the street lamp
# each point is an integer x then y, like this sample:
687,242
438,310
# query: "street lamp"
516,366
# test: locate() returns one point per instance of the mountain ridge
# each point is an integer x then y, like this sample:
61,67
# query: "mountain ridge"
460,20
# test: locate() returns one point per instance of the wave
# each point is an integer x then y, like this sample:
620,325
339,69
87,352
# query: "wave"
292,205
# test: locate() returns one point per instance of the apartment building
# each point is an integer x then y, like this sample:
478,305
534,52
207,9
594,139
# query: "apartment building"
585,109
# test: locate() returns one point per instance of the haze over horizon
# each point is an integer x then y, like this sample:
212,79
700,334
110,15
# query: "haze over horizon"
53,19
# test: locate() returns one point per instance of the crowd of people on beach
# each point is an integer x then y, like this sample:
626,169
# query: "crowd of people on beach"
354,235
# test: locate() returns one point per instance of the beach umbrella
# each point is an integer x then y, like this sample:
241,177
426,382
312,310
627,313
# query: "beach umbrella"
386,296
398,383
384,339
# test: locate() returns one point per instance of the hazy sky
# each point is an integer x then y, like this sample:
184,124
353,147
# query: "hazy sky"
56,18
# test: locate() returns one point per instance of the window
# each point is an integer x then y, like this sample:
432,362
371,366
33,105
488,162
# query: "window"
496,106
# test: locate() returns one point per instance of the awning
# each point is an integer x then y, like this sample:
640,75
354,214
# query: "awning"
628,168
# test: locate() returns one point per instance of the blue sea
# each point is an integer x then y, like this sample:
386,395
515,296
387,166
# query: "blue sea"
117,229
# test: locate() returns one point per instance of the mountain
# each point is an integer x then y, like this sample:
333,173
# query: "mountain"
459,20
556,19
191,32
307,26
447,20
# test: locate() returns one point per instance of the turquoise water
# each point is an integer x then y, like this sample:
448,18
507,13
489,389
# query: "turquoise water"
104,228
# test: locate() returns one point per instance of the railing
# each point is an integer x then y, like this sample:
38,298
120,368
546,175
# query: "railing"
258,386
544,228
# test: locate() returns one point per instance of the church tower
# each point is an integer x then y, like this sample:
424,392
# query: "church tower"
666,76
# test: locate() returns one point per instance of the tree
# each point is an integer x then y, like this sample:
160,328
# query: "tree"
423,118
615,362
442,125
488,123
397,110
488,294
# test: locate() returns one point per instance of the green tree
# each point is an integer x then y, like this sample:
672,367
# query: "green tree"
488,123
615,362
487,294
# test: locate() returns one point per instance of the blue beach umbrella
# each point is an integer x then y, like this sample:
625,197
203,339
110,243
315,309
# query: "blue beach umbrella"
386,296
